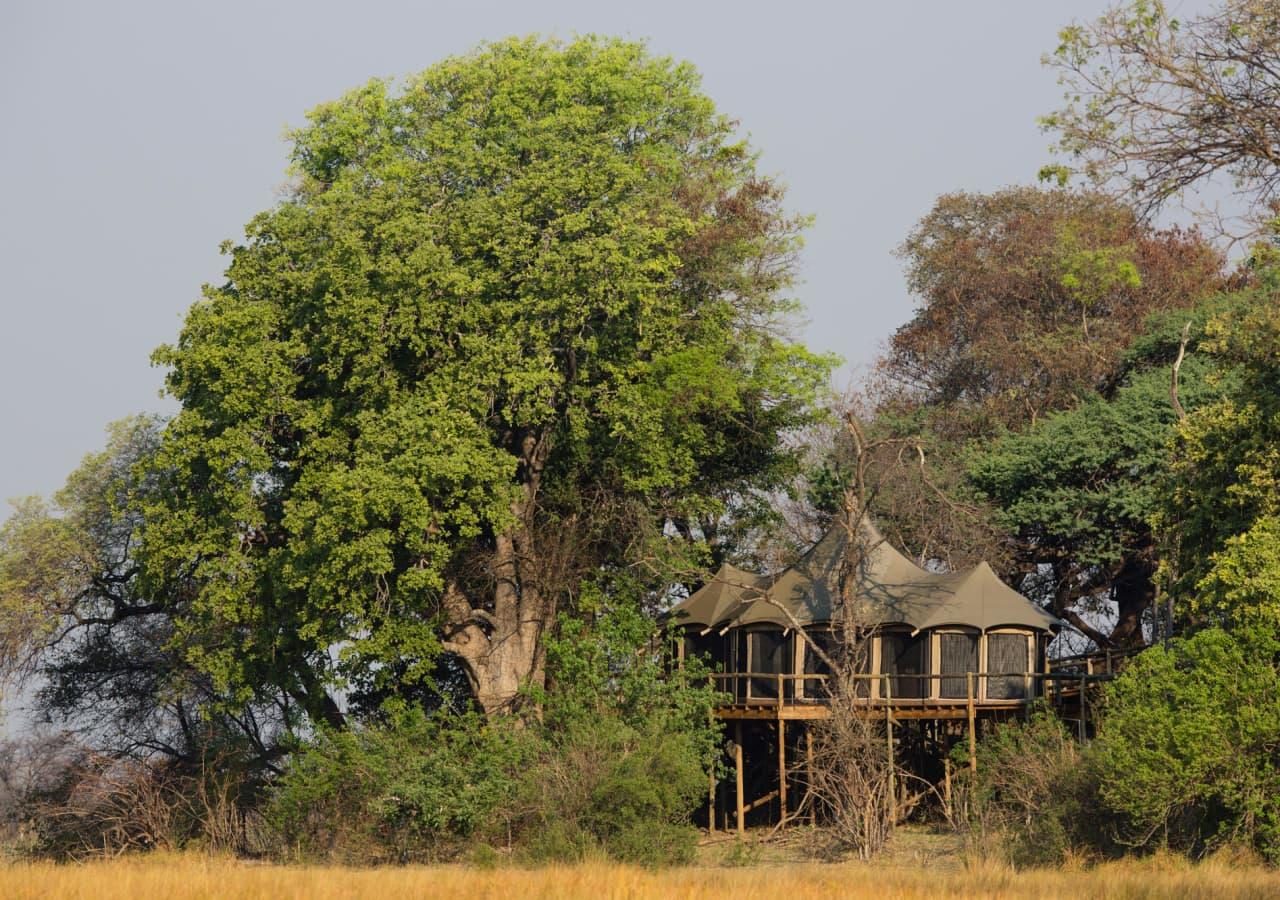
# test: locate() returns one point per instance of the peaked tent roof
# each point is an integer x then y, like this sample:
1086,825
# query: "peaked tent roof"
720,597
890,589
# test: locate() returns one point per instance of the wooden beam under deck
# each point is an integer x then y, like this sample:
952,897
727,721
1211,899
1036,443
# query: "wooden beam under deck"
818,711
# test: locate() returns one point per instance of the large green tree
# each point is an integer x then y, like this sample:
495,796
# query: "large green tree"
1220,514
514,318
1077,491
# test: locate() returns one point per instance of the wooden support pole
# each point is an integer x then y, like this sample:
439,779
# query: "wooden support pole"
711,787
1084,709
737,764
808,760
782,771
711,802
973,723
946,785
888,737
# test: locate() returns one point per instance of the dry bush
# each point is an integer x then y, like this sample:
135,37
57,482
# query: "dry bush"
852,781
105,805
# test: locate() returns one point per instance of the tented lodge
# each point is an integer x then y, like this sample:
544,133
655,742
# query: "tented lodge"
923,633
935,657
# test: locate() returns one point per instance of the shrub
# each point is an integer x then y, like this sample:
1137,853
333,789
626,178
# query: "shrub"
1189,753
628,748
414,788
615,767
1034,800
611,788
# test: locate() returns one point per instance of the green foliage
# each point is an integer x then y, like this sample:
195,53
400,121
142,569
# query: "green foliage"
615,767
1222,513
1085,480
1079,488
1188,749
412,788
629,746
536,290
1034,800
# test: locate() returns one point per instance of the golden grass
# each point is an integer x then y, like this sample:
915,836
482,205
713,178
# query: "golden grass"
191,876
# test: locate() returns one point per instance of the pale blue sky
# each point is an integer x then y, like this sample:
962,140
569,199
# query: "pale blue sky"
134,137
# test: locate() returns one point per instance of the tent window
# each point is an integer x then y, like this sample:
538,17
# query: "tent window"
710,647
905,656
1006,653
959,656
770,655
832,644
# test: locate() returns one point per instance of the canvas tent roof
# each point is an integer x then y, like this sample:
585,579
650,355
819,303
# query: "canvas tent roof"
890,589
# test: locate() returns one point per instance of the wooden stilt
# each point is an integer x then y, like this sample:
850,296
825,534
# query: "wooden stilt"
808,761
1084,709
946,785
711,802
737,764
888,736
973,723
782,771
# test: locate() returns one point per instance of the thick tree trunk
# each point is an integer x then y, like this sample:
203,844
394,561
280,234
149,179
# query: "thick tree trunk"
500,642
1135,591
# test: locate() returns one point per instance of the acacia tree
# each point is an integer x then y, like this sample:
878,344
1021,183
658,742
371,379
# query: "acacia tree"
1076,492
512,319
1156,104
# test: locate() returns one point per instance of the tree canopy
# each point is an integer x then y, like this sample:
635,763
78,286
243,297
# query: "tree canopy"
1077,491
1156,104
1026,301
513,317
1221,493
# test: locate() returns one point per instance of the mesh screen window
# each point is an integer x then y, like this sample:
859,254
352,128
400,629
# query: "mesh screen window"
959,656
903,655
1006,653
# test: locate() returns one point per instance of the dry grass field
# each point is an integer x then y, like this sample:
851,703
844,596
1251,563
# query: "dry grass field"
191,876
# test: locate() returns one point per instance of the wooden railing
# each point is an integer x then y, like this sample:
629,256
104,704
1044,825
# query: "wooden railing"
776,688
1099,662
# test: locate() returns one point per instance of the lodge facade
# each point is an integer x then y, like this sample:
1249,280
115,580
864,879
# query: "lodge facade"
942,652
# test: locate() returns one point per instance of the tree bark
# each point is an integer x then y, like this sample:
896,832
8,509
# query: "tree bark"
499,639
1134,591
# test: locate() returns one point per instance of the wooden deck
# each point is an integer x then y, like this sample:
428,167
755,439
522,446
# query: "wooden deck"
1069,687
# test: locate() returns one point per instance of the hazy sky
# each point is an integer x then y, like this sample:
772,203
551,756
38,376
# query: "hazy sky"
135,137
